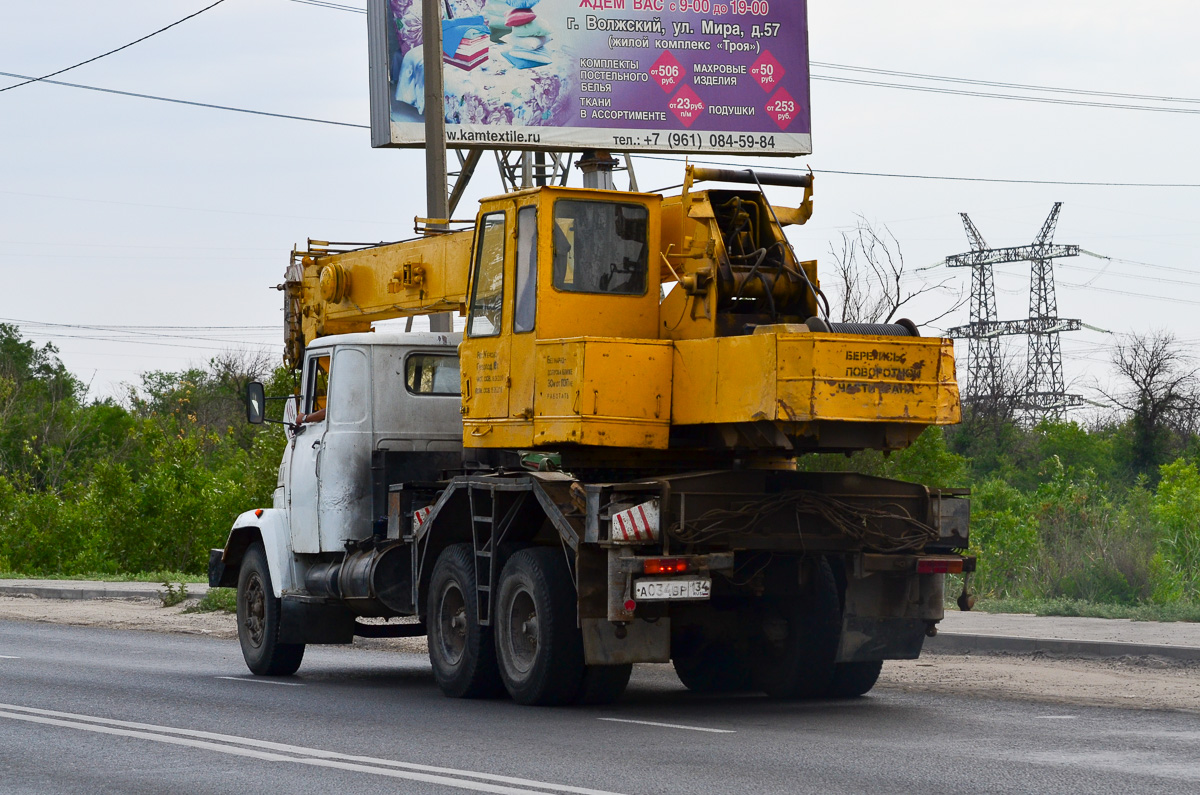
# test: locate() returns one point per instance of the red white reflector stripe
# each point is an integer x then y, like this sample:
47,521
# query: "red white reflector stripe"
939,566
637,525
420,515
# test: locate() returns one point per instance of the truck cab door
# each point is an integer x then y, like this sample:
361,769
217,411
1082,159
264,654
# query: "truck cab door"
486,344
304,469
344,473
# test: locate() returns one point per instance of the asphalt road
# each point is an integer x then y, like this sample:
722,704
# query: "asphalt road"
107,711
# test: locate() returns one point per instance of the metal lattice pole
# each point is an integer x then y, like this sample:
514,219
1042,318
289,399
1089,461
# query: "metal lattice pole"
1044,394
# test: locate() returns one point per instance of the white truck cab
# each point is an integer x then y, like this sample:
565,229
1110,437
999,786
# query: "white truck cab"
373,408
363,393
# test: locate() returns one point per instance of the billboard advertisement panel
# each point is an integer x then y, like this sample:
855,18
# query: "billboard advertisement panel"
680,76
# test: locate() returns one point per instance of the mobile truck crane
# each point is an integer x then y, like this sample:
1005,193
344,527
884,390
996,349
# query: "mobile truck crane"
595,474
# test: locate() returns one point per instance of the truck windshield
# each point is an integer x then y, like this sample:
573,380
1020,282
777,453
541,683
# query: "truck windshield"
600,247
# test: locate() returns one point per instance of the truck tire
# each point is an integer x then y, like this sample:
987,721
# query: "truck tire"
712,668
538,646
603,684
258,610
795,652
461,651
851,680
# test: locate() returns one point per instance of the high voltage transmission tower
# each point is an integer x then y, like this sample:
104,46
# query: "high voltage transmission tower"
1043,394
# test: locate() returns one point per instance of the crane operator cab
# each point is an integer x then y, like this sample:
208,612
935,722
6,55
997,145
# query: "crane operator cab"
561,344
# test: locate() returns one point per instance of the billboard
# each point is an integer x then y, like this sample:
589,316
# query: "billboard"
676,76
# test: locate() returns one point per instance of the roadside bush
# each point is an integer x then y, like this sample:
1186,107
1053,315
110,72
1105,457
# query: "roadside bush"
1176,509
1091,547
1004,535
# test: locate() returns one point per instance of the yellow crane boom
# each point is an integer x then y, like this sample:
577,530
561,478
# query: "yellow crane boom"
571,342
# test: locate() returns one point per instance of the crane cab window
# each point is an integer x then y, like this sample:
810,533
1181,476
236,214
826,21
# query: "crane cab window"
431,374
600,247
487,290
526,293
317,390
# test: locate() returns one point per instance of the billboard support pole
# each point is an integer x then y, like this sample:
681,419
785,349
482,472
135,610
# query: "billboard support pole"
597,166
437,198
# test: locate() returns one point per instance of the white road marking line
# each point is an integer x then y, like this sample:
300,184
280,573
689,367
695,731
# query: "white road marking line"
1057,717
8,657
315,756
671,725
260,681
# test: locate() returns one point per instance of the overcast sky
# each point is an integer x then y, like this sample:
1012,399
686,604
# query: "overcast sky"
119,211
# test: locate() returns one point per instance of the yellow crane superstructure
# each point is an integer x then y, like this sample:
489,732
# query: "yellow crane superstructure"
572,343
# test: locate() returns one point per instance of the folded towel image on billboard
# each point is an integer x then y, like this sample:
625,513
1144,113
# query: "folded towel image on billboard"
684,76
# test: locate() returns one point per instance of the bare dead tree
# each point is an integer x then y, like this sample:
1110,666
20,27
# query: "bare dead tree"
1159,390
1002,401
871,280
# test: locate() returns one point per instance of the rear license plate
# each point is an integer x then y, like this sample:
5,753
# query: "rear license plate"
677,588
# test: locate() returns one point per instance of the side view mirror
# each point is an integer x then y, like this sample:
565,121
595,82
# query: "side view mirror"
256,403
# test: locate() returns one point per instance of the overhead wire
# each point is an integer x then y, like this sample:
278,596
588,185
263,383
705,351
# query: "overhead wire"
999,84
1010,97
936,177
187,102
128,334
933,176
333,6
29,80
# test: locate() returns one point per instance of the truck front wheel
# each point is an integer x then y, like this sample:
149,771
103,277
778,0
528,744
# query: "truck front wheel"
258,610
461,651
538,646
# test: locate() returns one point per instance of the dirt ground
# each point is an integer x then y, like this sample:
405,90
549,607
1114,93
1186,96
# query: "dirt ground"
1134,683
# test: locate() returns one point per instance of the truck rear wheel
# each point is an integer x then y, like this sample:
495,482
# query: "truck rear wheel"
799,640
258,610
851,680
538,646
712,668
603,684
461,651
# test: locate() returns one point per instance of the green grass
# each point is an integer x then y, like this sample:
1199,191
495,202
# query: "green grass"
172,595
217,599
1084,609
145,576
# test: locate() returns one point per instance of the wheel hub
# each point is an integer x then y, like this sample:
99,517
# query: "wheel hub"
452,621
523,633
256,611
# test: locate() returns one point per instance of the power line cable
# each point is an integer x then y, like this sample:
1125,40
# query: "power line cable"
185,101
110,52
129,334
940,177
1013,97
333,6
998,84
742,166
137,327
190,346
191,209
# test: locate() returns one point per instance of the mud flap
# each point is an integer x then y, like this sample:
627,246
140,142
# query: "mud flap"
303,621
643,642
885,616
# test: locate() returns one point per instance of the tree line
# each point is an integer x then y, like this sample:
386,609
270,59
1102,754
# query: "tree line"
1107,510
